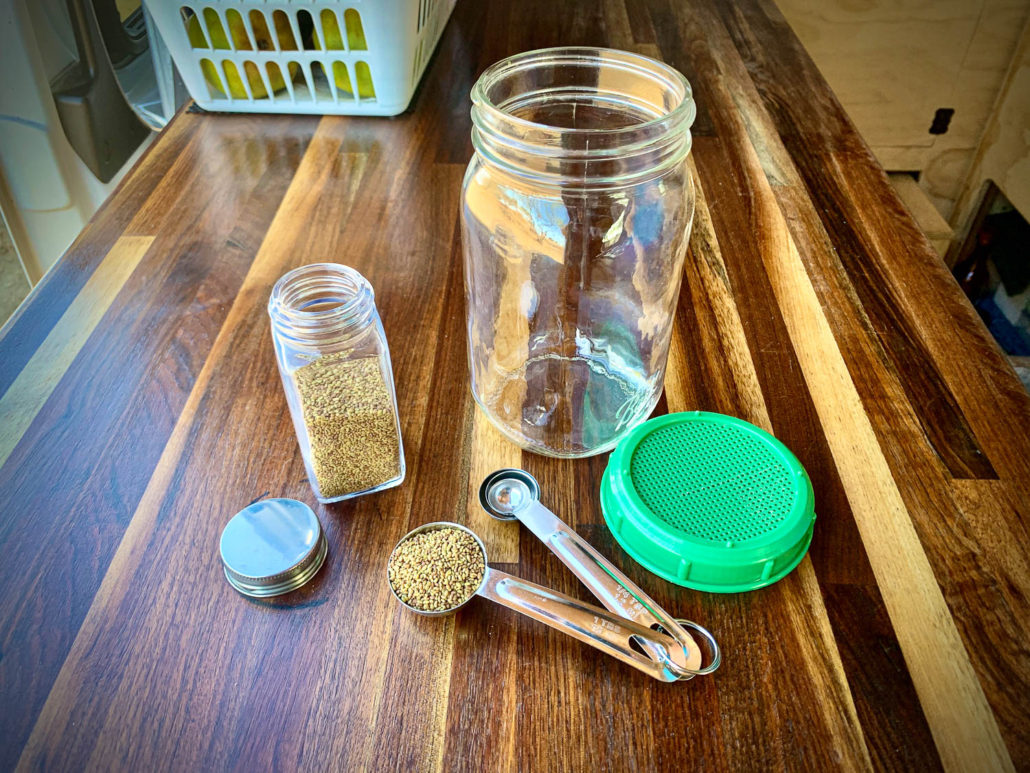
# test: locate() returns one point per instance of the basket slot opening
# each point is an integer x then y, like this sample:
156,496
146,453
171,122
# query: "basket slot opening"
259,27
355,30
239,35
213,29
331,34
321,89
341,77
238,89
215,87
194,29
259,87
363,75
285,31
275,78
302,87
306,24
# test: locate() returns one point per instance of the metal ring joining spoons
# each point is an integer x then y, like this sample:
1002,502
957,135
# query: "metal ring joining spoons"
506,492
712,645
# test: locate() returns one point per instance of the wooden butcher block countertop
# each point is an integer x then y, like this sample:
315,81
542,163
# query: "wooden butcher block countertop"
140,408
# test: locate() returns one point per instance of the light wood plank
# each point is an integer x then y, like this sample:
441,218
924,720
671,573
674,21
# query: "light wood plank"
963,726
491,451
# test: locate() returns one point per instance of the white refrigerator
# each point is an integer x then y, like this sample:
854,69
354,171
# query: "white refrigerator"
83,87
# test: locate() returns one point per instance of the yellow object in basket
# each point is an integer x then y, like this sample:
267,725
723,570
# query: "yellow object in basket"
364,77
241,42
355,42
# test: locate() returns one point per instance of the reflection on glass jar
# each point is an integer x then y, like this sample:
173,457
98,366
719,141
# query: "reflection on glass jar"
335,368
576,213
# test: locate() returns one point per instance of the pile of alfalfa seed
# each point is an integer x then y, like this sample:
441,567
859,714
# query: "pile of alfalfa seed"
351,425
437,570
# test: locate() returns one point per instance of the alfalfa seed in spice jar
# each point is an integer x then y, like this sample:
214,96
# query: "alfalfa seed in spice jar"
348,413
437,570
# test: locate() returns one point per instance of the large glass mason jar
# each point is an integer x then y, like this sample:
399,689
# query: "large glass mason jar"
576,212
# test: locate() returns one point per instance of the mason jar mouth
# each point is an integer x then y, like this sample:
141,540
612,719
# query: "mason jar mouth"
591,115
320,300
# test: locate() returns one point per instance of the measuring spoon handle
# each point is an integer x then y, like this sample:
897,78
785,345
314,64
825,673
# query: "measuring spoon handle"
594,626
613,588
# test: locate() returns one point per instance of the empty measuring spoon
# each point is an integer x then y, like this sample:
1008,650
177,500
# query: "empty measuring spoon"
595,626
511,494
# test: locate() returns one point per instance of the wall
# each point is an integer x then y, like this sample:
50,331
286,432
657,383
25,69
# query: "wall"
893,64
1004,153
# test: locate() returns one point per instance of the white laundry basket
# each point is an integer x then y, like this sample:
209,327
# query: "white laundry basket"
348,57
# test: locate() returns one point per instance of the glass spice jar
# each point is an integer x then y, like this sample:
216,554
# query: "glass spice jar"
335,366
576,213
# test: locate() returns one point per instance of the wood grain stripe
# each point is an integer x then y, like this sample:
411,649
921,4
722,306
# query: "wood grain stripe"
738,392
473,744
965,356
735,387
491,451
422,649
916,616
954,538
686,54
37,380
939,414
801,151
617,25
377,684
960,718
819,652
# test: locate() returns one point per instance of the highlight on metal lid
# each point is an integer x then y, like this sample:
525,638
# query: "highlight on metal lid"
272,547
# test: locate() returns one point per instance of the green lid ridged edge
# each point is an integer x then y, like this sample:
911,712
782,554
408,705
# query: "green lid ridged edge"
694,562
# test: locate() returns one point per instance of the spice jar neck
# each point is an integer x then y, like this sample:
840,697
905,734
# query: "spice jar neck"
582,117
321,304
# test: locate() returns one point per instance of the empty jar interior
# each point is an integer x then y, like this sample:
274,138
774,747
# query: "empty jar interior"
576,213
585,89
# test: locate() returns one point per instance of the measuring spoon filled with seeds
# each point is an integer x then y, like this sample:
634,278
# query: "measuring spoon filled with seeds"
437,568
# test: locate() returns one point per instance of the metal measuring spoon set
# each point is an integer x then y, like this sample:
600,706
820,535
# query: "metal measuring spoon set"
632,628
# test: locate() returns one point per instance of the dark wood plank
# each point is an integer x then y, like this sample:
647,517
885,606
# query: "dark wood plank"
81,492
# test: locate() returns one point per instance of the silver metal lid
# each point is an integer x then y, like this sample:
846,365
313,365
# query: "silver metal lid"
272,547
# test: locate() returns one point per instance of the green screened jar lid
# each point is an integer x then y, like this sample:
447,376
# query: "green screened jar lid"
708,501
